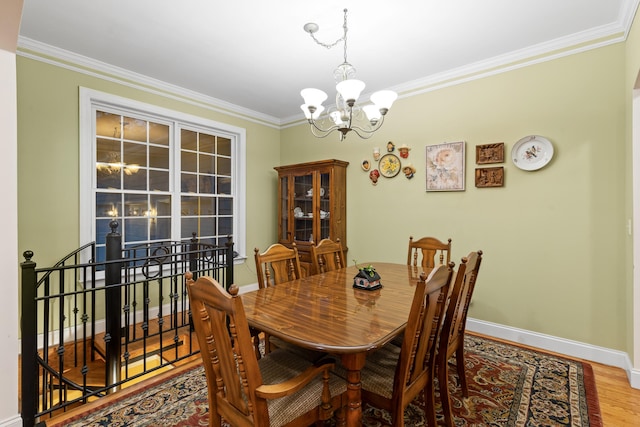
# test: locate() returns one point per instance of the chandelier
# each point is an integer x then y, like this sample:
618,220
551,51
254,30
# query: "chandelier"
345,116
113,165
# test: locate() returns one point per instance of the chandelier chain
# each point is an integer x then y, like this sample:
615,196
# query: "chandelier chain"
345,36
341,39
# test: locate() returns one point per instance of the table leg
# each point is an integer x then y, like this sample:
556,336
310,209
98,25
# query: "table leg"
354,363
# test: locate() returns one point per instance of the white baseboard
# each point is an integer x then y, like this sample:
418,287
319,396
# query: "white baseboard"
634,378
248,288
570,348
15,421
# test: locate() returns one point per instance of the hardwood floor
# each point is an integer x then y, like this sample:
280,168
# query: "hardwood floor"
619,403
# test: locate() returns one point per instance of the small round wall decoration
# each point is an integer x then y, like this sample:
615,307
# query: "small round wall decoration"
389,165
532,152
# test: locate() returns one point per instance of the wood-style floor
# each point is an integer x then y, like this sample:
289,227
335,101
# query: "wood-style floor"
619,403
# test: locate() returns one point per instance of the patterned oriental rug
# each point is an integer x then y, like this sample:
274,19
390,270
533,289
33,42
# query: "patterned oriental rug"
508,386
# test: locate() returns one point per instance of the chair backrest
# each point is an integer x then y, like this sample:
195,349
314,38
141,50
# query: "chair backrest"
429,248
278,264
327,256
417,355
229,360
459,300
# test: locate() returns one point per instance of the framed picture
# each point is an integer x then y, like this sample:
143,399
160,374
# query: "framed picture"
489,177
445,167
490,153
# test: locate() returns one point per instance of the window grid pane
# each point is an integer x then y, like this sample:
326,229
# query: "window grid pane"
200,184
133,164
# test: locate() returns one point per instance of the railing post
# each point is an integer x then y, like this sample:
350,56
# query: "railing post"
193,255
229,262
113,300
29,347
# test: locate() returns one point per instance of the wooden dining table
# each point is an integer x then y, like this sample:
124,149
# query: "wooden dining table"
325,312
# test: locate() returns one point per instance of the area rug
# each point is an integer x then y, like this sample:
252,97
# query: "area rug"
508,386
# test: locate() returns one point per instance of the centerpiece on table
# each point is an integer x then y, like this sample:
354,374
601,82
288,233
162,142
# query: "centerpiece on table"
367,278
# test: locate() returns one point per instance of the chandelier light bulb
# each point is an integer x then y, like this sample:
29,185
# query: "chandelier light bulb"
373,113
311,112
313,97
350,90
337,118
384,99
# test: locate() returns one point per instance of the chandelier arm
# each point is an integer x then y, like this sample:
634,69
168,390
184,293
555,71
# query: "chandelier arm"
330,129
362,133
359,130
325,132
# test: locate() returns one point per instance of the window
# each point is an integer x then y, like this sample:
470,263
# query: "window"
161,174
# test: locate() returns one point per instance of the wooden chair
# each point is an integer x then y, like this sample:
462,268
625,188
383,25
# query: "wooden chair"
428,248
453,328
393,376
280,389
278,264
327,255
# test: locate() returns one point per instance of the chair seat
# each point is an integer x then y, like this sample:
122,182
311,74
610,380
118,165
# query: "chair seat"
281,365
379,371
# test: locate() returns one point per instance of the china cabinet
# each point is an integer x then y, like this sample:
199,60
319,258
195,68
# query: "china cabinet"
312,205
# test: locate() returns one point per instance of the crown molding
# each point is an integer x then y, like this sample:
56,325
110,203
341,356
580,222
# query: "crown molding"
627,14
43,52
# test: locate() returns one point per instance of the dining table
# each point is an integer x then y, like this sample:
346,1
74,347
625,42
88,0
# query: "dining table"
325,312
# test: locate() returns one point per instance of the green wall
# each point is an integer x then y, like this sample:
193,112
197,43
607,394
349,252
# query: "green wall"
555,240
48,150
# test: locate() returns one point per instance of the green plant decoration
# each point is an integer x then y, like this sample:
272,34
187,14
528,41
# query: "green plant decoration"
370,270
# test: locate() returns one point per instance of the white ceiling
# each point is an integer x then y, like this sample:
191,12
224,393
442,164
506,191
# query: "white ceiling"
254,53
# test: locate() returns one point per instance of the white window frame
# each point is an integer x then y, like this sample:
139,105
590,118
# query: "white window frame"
89,99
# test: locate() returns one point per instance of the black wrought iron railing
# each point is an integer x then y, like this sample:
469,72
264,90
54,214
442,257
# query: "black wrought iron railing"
88,327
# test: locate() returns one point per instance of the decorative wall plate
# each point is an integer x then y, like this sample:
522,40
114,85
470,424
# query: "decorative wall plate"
389,165
532,152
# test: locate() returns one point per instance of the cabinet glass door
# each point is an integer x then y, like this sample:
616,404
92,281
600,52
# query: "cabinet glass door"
284,208
303,208
325,206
